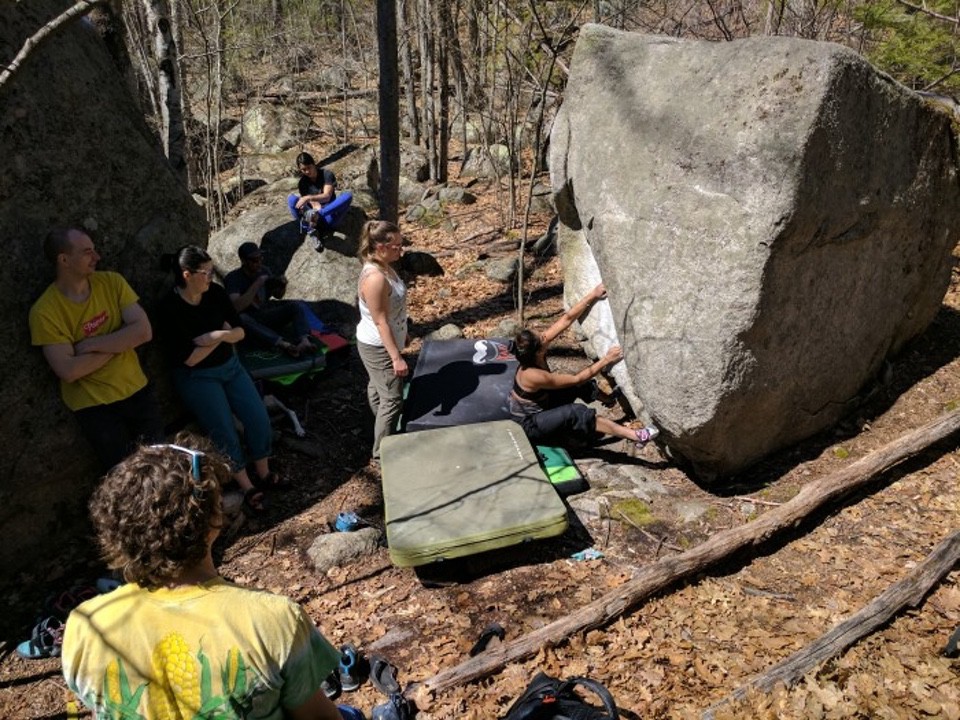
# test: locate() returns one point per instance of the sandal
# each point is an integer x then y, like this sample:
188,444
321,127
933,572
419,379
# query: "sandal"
273,481
46,640
491,631
253,501
383,675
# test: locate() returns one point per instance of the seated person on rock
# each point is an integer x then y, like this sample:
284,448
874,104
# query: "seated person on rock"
544,402
251,287
317,188
179,641
88,323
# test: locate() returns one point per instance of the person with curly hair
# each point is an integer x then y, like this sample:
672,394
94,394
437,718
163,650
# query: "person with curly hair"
382,330
544,402
198,328
177,640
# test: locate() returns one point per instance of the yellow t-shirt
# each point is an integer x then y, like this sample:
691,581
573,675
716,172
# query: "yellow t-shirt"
214,650
55,319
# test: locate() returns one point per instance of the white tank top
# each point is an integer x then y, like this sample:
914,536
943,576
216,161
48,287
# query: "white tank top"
367,331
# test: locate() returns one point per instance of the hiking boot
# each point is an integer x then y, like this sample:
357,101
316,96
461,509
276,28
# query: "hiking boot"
646,434
315,239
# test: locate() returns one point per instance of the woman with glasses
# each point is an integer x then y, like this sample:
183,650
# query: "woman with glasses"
177,640
199,327
382,331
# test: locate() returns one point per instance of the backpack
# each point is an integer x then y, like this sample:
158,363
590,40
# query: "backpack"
547,698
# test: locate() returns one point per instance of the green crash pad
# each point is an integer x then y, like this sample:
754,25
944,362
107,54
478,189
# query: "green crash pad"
276,365
463,490
561,470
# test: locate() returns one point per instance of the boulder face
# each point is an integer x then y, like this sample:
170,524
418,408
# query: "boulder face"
327,280
772,218
76,152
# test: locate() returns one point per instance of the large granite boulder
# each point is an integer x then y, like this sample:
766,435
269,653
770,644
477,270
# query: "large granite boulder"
76,150
772,218
328,280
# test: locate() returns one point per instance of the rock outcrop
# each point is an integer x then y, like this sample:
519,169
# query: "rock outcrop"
76,151
772,218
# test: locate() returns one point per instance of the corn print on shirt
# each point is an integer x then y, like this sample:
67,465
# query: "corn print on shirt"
214,650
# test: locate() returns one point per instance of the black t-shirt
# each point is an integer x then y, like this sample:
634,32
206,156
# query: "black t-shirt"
179,322
315,187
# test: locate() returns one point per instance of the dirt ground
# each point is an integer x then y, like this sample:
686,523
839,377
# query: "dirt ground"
672,656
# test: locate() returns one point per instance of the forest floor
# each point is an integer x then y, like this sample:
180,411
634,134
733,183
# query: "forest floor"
672,656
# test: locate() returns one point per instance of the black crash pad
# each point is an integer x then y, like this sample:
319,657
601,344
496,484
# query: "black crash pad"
457,382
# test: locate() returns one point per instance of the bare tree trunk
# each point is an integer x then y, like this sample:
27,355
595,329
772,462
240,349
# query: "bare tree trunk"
446,34
427,64
409,79
276,10
82,7
389,106
172,135
135,26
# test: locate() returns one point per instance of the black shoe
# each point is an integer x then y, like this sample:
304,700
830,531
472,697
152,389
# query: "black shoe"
331,686
317,242
396,708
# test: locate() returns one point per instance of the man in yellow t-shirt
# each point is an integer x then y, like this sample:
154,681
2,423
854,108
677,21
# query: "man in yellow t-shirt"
88,323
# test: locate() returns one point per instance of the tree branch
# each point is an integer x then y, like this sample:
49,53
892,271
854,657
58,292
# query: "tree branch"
931,13
43,33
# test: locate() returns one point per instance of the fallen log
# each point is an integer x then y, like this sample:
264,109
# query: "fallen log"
908,591
670,570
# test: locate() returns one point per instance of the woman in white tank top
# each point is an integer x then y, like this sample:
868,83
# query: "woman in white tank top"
382,330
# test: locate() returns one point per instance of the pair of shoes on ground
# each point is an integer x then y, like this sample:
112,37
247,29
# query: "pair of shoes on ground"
349,674
46,640
646,434
383,676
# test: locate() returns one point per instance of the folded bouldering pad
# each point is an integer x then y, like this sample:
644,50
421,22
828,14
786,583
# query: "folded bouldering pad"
463,490
561,471
458,382
278,366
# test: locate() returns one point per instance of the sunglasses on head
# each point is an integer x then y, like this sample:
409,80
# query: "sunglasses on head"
195,456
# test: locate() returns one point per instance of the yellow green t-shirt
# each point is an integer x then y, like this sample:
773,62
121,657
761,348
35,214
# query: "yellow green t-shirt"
213,650
55,319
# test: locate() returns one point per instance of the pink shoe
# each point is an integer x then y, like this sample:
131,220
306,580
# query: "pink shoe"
646,434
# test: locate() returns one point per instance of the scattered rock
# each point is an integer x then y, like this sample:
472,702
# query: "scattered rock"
339,548
502,269
445,332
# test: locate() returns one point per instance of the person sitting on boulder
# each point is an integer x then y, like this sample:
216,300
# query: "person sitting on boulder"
251,287
318,191
543,402
177,640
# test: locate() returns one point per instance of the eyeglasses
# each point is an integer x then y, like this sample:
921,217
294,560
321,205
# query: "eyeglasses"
195,456
206,273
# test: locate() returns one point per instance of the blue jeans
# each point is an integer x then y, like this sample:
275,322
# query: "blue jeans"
218,393
263,325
